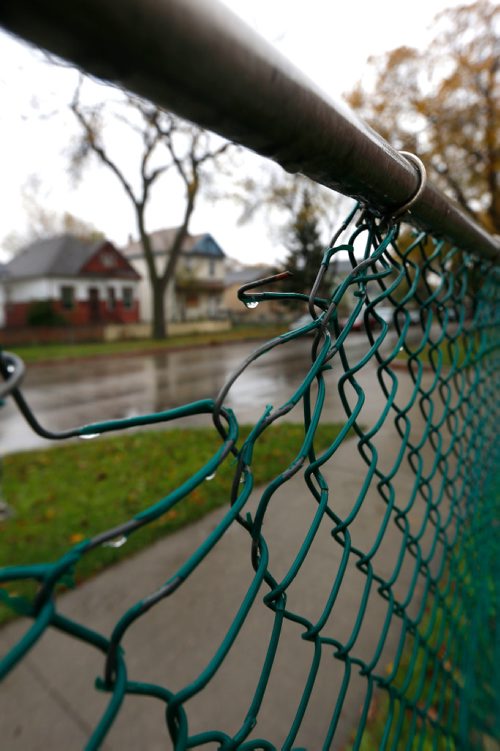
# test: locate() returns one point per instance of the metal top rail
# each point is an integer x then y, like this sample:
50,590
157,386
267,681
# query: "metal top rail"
196,58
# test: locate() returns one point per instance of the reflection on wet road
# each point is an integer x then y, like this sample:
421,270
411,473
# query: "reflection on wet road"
68,394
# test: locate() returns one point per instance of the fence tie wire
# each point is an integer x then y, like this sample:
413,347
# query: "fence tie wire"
422,172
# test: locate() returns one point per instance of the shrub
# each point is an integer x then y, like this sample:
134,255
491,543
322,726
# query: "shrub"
41,313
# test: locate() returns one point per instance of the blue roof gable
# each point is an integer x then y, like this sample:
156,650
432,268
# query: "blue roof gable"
207,246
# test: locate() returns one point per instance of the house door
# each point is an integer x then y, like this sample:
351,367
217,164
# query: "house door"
94,305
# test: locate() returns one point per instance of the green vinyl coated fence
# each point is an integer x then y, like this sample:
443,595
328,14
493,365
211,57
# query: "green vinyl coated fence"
414,364
382,570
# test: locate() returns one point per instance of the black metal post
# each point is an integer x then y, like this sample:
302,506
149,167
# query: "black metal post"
196,58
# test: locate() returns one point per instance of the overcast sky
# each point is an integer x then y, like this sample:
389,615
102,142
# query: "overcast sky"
329,41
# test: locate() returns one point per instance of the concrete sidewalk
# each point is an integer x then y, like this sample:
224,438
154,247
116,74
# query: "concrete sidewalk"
49,702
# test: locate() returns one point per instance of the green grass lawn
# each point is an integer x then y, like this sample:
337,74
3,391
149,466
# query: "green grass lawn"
408,731
461,353
62,495
445,669
43,352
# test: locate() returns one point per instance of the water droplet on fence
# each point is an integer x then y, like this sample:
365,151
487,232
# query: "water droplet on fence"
10,368
89,436
210,477
251,304
116,542
401,349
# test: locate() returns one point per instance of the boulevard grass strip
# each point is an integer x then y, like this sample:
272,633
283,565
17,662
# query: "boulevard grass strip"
442,684
50,352
444,355
408,729
60,496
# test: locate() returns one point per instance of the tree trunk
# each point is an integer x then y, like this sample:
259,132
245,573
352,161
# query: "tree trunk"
159,323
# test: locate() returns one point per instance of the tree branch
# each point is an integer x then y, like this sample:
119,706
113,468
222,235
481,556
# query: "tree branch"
92,143
444,172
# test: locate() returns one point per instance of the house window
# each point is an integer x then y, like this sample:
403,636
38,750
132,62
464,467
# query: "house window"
68,297
111,298
94,305
107,259
128,297
211,267
212,306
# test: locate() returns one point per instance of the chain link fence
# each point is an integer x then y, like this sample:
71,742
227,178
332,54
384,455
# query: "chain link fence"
408,561
425,317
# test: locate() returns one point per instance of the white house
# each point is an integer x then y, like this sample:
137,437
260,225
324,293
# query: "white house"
197,290
82,282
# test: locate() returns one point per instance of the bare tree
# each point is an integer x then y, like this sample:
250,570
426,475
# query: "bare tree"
44,222
167,143
300,213
279,196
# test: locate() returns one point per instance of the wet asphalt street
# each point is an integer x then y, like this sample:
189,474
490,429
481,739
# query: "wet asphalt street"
64,395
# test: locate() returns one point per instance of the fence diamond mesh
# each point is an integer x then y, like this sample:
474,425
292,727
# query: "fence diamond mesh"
424,315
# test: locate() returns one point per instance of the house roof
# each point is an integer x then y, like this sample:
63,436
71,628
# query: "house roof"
202,244
61,255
